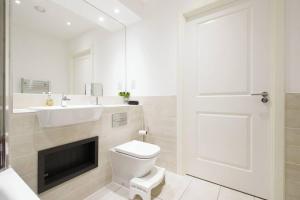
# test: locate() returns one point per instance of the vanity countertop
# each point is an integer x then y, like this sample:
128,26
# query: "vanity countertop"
23,110
29,110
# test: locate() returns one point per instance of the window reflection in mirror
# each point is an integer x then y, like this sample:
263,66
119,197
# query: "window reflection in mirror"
61,48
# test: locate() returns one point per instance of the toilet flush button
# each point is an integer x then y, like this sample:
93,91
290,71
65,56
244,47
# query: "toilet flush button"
119,119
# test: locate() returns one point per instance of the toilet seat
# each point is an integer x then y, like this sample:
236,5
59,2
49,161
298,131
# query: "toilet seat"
138,149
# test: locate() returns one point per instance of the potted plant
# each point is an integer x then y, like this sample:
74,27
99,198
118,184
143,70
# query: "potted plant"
125,95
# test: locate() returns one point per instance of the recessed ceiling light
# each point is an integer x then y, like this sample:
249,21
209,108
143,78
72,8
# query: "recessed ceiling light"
18,2
117,11
101,19
40,9
69,23
210,21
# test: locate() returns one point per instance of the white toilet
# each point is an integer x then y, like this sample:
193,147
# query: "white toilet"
133,160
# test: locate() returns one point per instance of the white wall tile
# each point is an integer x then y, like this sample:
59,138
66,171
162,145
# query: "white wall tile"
161,122
292,132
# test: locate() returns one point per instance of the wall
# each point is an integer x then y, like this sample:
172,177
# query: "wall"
152,50
153,47
40,57
26,138
108,57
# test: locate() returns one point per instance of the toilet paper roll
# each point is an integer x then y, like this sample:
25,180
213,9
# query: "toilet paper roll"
143,132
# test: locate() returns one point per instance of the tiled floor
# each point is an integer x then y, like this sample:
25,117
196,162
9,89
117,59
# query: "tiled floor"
175,188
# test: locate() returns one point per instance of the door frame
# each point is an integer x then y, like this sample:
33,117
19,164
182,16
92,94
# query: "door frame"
277,122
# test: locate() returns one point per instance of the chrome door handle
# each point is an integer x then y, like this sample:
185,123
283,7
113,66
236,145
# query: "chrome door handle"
265,96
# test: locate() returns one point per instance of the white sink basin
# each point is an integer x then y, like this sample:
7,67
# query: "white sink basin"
54,116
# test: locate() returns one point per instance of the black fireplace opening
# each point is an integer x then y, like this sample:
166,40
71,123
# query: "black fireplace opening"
62,163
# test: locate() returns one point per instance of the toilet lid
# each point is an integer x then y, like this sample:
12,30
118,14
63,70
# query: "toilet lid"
139,149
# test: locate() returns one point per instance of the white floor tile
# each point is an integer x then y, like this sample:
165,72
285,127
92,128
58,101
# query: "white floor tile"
106,193
227,194
124,192
174,187
201,190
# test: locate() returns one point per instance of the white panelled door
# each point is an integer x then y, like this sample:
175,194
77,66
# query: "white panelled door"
226,128
82,74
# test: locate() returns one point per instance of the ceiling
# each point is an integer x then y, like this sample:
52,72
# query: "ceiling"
125,16
67,19
52,22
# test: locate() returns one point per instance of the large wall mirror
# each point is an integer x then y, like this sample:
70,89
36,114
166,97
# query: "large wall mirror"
63,46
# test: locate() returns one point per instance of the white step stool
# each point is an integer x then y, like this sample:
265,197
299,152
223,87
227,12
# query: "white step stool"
142,186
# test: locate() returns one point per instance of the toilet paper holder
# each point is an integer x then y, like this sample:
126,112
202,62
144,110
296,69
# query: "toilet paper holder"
143,133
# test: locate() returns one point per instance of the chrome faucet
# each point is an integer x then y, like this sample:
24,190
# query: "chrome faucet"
64,100
97,91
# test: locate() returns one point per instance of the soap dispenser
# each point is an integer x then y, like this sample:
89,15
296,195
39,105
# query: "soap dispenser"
49,101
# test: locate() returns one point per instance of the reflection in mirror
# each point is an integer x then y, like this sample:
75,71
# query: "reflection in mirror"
63,47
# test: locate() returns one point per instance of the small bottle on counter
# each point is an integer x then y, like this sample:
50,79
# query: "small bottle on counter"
50,101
